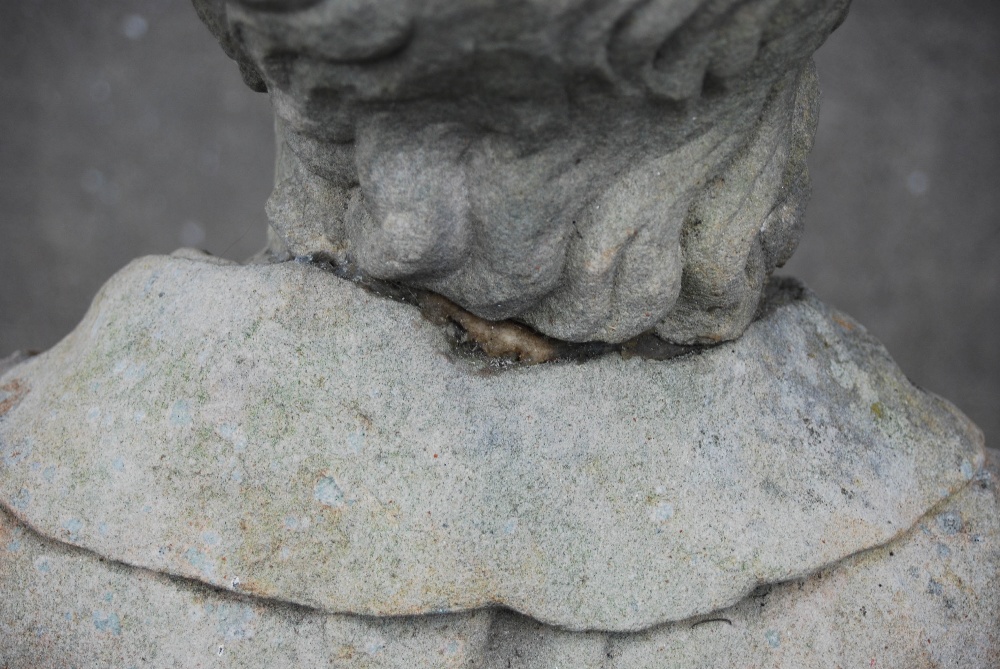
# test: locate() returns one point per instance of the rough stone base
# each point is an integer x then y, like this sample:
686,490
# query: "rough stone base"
240,466
929,599
282,433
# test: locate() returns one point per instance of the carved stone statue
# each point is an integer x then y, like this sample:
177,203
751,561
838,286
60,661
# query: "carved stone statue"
593,170
335,456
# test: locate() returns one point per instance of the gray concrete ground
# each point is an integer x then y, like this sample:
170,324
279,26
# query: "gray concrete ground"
125,131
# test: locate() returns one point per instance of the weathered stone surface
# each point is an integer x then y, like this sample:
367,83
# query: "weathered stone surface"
278,431
595,170
13,359
931,598
63,607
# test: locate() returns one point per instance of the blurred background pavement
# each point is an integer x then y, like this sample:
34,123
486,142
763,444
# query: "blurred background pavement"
125,131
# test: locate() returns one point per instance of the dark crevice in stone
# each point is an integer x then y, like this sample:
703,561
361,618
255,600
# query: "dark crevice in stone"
500,344
507,344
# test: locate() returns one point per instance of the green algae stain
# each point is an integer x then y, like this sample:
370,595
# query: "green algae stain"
879,410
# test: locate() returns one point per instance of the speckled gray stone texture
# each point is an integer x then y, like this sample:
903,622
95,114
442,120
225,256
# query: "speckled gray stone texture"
929,599
14,358
595,170
278,431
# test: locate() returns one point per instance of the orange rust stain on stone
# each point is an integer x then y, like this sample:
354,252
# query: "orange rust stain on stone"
843,322
16,390
254,587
